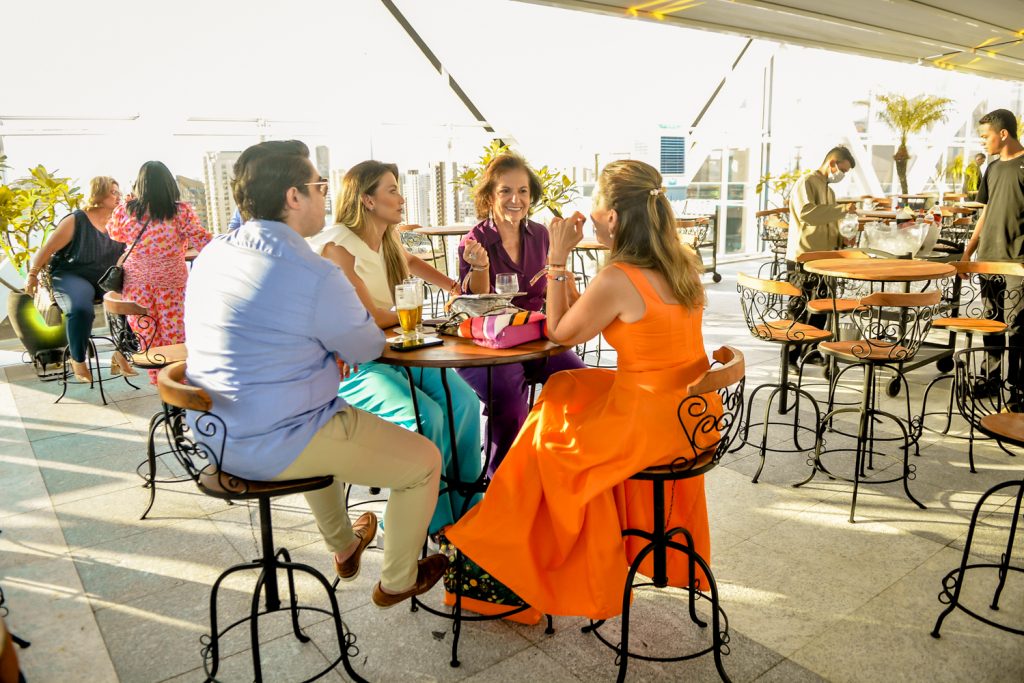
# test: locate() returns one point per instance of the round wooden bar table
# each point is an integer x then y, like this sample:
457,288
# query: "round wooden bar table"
880,270
444,232
457,352
1007,428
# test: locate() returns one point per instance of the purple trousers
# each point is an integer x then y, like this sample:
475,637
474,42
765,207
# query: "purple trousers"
510,396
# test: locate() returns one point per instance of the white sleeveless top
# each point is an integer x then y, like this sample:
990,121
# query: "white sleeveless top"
369,263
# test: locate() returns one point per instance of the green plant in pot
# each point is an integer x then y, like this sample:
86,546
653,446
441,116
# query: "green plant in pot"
30,208
907,116
558,188
780,186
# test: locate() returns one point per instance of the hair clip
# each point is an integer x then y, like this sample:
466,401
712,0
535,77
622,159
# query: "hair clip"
656,191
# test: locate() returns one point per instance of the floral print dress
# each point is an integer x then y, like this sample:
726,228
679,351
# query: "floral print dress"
155,271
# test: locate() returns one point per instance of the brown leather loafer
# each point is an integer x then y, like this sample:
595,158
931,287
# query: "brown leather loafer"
365,528
428,571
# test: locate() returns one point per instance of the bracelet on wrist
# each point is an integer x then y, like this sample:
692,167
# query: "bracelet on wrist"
558,278
477,269
556,265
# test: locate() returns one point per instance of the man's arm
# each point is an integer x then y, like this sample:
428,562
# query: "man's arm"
813,210
342,324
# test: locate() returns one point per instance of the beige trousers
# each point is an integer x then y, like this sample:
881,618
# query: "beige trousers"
360,448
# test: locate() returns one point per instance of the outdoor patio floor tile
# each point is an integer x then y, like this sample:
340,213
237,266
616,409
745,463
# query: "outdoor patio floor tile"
888,638
49,608
397,645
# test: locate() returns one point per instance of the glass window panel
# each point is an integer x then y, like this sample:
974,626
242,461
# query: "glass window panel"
734,229
711,171
737,191
738,162
881,160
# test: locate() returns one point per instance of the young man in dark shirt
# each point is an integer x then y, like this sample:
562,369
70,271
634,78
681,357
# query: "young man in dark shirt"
999,236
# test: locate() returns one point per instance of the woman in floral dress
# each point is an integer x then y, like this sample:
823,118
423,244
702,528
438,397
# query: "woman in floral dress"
155,271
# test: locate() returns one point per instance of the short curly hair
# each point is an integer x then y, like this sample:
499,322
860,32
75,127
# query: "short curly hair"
483,192
100,188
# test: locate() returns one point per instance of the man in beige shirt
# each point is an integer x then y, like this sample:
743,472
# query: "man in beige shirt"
813,212
814,225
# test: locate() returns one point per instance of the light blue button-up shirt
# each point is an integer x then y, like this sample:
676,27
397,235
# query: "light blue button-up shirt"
264,318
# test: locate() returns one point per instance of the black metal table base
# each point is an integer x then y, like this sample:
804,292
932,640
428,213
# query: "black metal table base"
864,451
952,583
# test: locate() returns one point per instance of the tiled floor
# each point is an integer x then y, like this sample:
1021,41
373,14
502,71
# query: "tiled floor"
104,596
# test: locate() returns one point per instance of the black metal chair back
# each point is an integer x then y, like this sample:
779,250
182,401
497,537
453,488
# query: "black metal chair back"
709,416
773,309
892,325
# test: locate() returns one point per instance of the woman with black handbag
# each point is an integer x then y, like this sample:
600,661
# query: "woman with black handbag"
71,263
160,228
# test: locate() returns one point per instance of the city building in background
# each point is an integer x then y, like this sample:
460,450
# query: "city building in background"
323,166
193,192
220,205
417,189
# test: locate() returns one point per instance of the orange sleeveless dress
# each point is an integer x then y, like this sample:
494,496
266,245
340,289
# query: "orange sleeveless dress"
549,526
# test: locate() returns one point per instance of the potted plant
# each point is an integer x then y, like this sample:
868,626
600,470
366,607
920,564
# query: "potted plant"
907,116
557,188
780,185
29,211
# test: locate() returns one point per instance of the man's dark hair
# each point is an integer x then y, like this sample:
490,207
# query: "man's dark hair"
980,155
1001,119
840,153
264,173
156,193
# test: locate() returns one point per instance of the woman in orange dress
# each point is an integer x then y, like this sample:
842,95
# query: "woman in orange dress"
550,524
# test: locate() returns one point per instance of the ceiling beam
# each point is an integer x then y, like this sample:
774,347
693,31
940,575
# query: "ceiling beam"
688,21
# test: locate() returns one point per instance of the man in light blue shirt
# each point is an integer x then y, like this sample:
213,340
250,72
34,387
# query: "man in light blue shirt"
267,323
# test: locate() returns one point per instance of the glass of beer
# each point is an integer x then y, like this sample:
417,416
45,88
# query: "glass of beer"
409,305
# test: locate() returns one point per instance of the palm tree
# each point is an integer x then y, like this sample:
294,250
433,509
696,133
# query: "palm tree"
907,116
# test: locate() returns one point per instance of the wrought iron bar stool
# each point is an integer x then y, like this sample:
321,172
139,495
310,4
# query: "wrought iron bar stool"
979,393
772,310
1007,429
122,338
773,227
708,415
156,358
892,326
200,451
822,304
983,300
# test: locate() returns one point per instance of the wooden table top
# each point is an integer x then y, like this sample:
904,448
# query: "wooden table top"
591,244
190,254
457,352
877,213
881,269
1008,427
444,230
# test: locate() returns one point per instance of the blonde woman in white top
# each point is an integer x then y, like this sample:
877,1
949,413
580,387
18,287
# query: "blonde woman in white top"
364,243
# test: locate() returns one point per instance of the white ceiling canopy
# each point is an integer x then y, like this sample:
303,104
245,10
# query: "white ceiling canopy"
981,37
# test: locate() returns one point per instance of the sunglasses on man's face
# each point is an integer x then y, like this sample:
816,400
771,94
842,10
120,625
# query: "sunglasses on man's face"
321,185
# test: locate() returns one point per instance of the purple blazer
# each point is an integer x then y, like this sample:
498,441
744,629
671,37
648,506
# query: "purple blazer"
533,240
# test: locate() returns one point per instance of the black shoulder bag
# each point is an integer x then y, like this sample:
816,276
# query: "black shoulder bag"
113,279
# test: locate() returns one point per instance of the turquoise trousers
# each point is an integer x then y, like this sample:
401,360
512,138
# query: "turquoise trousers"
384,391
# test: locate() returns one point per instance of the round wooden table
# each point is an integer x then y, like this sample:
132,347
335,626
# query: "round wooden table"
444,230
881,269
457,352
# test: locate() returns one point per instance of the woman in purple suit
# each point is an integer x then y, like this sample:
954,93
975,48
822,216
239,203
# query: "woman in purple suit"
507,241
